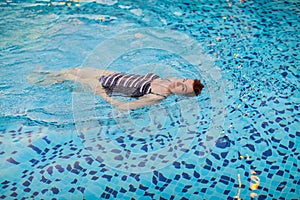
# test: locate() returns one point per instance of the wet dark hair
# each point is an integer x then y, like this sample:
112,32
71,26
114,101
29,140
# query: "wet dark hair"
197,86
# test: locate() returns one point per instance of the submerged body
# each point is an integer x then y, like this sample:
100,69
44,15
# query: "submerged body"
149,89
130,85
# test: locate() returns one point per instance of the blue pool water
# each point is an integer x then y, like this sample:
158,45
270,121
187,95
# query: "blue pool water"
238,140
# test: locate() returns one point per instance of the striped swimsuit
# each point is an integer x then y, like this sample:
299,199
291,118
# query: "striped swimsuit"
127,84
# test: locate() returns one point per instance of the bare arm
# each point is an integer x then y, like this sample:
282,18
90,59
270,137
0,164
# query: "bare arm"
146,100
97,88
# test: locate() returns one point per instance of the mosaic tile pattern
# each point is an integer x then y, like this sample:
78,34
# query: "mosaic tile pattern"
256,45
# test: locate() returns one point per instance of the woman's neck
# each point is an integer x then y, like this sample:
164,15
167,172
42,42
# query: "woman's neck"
161,87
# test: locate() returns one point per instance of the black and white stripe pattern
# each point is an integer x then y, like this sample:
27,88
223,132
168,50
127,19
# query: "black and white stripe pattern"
129,84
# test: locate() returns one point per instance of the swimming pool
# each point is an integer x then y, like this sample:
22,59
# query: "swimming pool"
239,139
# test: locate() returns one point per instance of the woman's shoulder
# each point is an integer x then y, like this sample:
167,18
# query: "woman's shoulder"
160,87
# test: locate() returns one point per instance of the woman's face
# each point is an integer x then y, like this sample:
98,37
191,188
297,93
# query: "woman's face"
182,87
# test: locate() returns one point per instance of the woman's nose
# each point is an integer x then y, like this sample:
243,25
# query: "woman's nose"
178,84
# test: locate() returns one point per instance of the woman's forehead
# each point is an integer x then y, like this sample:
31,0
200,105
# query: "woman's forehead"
189,81
183,79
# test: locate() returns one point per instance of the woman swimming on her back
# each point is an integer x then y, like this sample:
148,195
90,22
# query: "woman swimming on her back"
149,88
